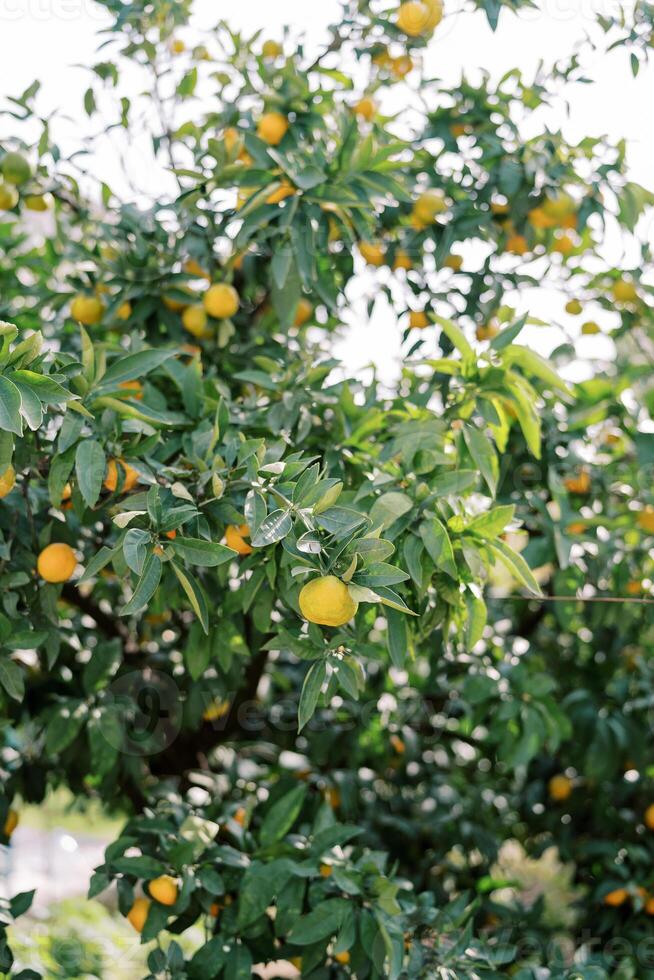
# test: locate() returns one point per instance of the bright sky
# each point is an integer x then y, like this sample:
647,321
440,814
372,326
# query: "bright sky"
54,39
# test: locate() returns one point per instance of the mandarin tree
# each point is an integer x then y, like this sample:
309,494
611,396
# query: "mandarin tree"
331,648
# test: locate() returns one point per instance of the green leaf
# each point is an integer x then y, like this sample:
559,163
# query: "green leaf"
46,389
380,574
493,522
197,551
457,337
90,466
481,450
97,563
456,482
476,622
397,637
10,404
135,549
195,594
439,547
340,521
11,678
516,565
132,366
275,527
209,959
282,815
389,507
323,921
313,682
532,363
145,587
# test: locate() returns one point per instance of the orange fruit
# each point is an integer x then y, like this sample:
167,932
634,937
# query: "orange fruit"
284,190
7,481
326,601
326,870
139,913
413,18
11,822
373,254
560,788
130,478
538,218
646,519
487,331
235,538
649,817
454,262
402,260
56,563
303,312
343,958
517,244
398,744
428,206
193,267
164,890
579,484
616,898
564,245
221,301
194,319
272,128
133,388
87,310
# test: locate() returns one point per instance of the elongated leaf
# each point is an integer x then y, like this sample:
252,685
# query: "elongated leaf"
197,551
389,507
439,547
324,921
493,522
516,565
46,389
90,465
282,815
477,615
132,366
195,593
453,483
457,337
482,451
340,521
380,574
532,363
135,549
397,637
11,678
311,692
145,587
97,563
31,407
10,403
275,527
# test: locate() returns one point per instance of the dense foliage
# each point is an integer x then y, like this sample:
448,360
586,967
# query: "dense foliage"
289,621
